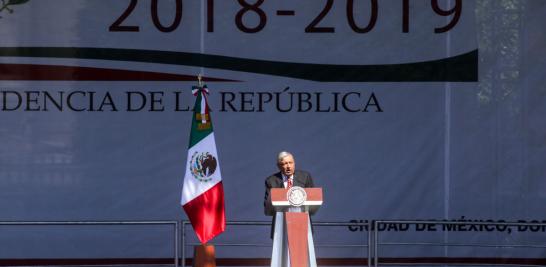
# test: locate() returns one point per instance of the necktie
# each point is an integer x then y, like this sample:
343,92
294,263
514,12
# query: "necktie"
289,183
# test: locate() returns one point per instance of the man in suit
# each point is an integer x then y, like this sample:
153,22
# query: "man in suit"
286,177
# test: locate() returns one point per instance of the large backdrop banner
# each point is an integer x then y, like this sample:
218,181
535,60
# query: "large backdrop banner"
400,109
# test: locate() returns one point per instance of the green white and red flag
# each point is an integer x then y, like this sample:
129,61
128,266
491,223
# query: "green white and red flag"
203,192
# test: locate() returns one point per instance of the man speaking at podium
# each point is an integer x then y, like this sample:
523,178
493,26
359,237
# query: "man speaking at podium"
287,177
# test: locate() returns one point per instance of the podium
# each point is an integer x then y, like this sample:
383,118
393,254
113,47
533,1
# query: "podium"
292,239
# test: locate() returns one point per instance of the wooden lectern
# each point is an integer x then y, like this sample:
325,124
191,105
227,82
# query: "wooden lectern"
292,239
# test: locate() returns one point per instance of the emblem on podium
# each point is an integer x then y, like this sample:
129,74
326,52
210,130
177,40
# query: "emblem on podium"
296,196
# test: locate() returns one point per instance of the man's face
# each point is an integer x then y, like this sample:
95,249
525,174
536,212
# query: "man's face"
287,165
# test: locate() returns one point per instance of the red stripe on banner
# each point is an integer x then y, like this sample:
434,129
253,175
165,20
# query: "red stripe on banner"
31,72
207,214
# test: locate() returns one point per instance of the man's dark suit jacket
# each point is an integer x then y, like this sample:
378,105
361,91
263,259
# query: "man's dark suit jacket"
301,178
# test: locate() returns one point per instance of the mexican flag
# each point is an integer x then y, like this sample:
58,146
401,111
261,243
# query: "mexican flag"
203,193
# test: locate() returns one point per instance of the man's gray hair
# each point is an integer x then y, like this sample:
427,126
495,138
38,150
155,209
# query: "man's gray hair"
283,154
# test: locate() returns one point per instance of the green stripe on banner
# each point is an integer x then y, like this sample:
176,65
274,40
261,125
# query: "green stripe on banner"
460,68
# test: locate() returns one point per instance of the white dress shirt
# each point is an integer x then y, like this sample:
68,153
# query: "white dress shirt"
285,180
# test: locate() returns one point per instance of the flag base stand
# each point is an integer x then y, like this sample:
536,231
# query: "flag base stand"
203,256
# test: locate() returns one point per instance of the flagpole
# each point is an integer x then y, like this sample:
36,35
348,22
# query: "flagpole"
200,80
200,84
203,193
